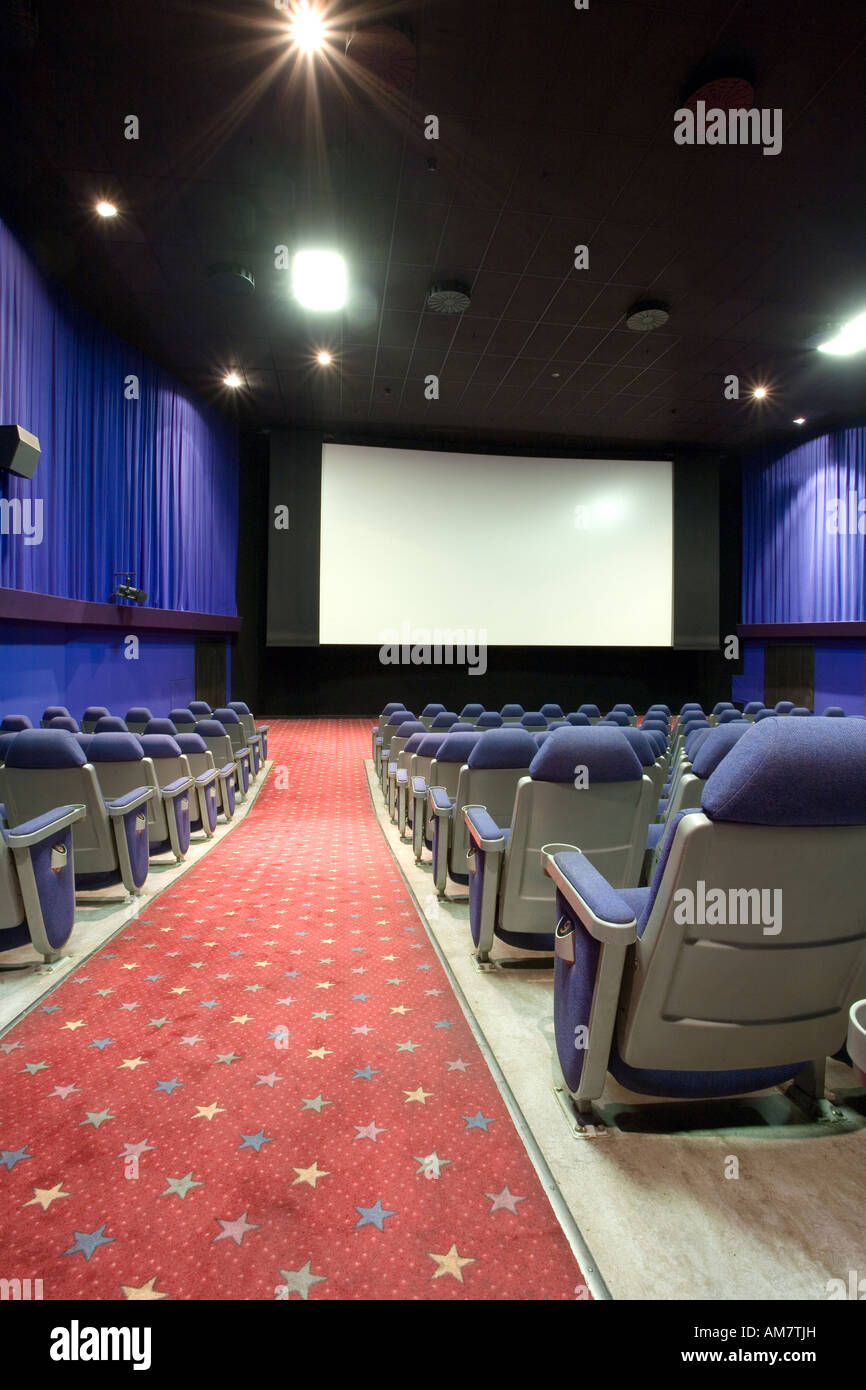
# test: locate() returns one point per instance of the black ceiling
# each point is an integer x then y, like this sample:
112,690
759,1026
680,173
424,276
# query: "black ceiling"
556,129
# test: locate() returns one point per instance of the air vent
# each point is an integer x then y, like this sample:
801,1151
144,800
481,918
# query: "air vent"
449,297
647,314
229,278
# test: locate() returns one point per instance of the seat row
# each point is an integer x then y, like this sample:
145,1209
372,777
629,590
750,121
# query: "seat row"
700,880
82,812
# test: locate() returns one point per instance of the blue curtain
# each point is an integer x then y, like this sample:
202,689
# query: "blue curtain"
148,485
803,549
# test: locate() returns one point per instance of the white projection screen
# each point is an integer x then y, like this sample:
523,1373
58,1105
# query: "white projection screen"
538,552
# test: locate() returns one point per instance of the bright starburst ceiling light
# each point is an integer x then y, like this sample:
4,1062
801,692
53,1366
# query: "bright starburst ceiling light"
307,28
319,280
106,209
232,380
850,338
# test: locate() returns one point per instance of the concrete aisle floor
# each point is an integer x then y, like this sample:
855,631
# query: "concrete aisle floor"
650,1193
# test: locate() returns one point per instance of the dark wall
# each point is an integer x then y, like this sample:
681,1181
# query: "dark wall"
322,681
248,650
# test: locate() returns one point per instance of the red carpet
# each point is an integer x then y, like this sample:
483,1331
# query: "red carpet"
265,1088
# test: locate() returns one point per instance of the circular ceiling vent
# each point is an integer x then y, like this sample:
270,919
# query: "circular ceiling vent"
449,297
647,314
385,51
724,94
229,278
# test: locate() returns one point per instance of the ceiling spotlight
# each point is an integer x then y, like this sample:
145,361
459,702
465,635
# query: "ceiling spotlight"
759,393
106,209
324,358
307,28
232,380
800,420
850,338
319,280
647,314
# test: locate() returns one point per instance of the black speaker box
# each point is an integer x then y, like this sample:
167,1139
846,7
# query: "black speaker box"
19,450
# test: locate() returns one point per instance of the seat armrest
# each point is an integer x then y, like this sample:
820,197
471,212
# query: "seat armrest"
241,753
173,789
440,801
32,832
402,777
227,770
599,908
204,779
419,786
484,831
122,805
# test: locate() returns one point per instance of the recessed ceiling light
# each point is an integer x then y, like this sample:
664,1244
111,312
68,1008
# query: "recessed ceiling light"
319,280
232,380
324,358
307,28
759,393
800,420
647,314
850,338
106,209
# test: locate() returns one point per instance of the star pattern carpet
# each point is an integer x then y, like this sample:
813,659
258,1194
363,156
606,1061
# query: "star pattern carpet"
264,1087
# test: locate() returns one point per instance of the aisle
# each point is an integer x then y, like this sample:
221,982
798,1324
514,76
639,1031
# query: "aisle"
265,1088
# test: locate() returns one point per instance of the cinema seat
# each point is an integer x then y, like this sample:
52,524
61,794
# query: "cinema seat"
202,768
64,721
766,714
389,764
645,751
90,717
451,755
489,778
219,745
607,815
137,718
577,719
160,726
470,713
552,712
110,724
52,712
618,717
14,723
592,712
391,708
428,714
257,734
45,766
784,706
512,714
382,742
533,719
37,883
419,774
752,709
729,716
710,747
489,720
171,830
801,712
201,709
691,1009
183,719
834,712
402,790
240,750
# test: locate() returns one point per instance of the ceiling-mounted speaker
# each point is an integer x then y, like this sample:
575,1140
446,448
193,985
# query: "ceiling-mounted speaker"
19,451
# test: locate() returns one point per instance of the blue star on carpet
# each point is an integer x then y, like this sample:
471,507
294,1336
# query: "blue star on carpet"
478,1121
86,1242
373,1216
